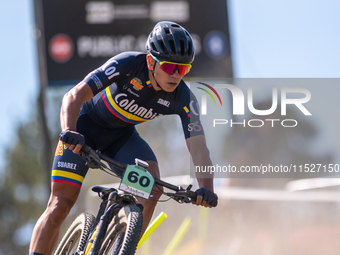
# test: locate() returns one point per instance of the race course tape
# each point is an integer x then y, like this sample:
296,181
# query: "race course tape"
152,227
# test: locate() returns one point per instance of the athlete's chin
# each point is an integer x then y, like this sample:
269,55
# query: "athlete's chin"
170,87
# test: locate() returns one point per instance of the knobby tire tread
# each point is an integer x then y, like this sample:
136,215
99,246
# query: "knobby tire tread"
83,223
134,219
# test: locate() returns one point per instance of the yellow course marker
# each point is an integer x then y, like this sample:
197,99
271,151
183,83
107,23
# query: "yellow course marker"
178,236
204,222
152,227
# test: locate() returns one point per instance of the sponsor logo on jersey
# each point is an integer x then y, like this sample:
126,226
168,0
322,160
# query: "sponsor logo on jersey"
60,149
137,84
163,102
187,111
132,93
194,126
97,81
127,110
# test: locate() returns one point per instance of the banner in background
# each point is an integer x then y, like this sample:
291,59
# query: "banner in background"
81,35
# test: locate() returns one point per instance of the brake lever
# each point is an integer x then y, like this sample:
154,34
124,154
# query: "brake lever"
181,196
92,159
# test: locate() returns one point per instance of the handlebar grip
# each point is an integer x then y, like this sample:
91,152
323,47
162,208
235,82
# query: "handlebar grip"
207,196
193,195
85,148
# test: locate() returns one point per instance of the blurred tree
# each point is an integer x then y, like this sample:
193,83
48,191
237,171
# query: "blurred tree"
23,194
23,188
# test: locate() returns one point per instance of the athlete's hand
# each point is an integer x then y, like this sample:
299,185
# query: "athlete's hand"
72,140
206,198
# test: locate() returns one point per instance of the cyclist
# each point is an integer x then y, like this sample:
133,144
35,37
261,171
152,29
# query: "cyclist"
103,109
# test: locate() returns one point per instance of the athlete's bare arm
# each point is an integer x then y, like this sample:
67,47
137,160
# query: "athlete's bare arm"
71,104
200,157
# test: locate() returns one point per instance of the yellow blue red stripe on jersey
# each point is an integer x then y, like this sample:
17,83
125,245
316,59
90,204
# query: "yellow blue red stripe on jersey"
119,112
187,111
67,178
149,84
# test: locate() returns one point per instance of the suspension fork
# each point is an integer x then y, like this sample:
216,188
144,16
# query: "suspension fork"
104,222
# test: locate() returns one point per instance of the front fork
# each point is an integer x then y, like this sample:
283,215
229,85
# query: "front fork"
114,203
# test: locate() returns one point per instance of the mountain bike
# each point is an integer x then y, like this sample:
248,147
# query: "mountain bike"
117,227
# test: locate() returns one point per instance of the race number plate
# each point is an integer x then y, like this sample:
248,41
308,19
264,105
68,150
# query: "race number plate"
137,181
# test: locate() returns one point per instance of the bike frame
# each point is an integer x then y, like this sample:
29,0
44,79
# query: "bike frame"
112,201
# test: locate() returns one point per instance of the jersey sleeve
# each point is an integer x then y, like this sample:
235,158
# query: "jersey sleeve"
111,71
189,114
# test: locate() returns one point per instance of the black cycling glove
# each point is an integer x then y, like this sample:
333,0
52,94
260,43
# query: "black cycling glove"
71,137
208,196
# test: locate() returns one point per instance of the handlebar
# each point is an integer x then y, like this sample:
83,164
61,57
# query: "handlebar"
93,160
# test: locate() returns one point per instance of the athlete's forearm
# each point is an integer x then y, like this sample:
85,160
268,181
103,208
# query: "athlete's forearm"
204,179
201,158
71,104
69,111
207,183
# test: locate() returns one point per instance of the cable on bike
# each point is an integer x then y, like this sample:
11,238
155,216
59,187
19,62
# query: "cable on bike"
161,201
164,193
109,171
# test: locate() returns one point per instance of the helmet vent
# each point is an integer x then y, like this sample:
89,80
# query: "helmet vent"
189,48
167,30
172,46
153,47
175,25
182,46
161,43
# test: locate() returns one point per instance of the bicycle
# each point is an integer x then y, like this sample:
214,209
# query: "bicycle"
117,227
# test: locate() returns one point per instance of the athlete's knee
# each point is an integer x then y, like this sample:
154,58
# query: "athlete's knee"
154,170
154,197
156,192
57,209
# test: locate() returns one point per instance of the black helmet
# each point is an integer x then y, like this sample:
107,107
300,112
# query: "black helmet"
169,41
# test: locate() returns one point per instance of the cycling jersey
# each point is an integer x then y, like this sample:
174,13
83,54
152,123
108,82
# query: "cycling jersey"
124,95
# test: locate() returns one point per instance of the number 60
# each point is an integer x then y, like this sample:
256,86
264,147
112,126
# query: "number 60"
143,181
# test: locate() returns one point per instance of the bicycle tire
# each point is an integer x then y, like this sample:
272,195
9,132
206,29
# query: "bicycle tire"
76,236
127,224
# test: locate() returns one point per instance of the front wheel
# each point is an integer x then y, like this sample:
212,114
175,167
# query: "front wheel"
76,236
123,232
